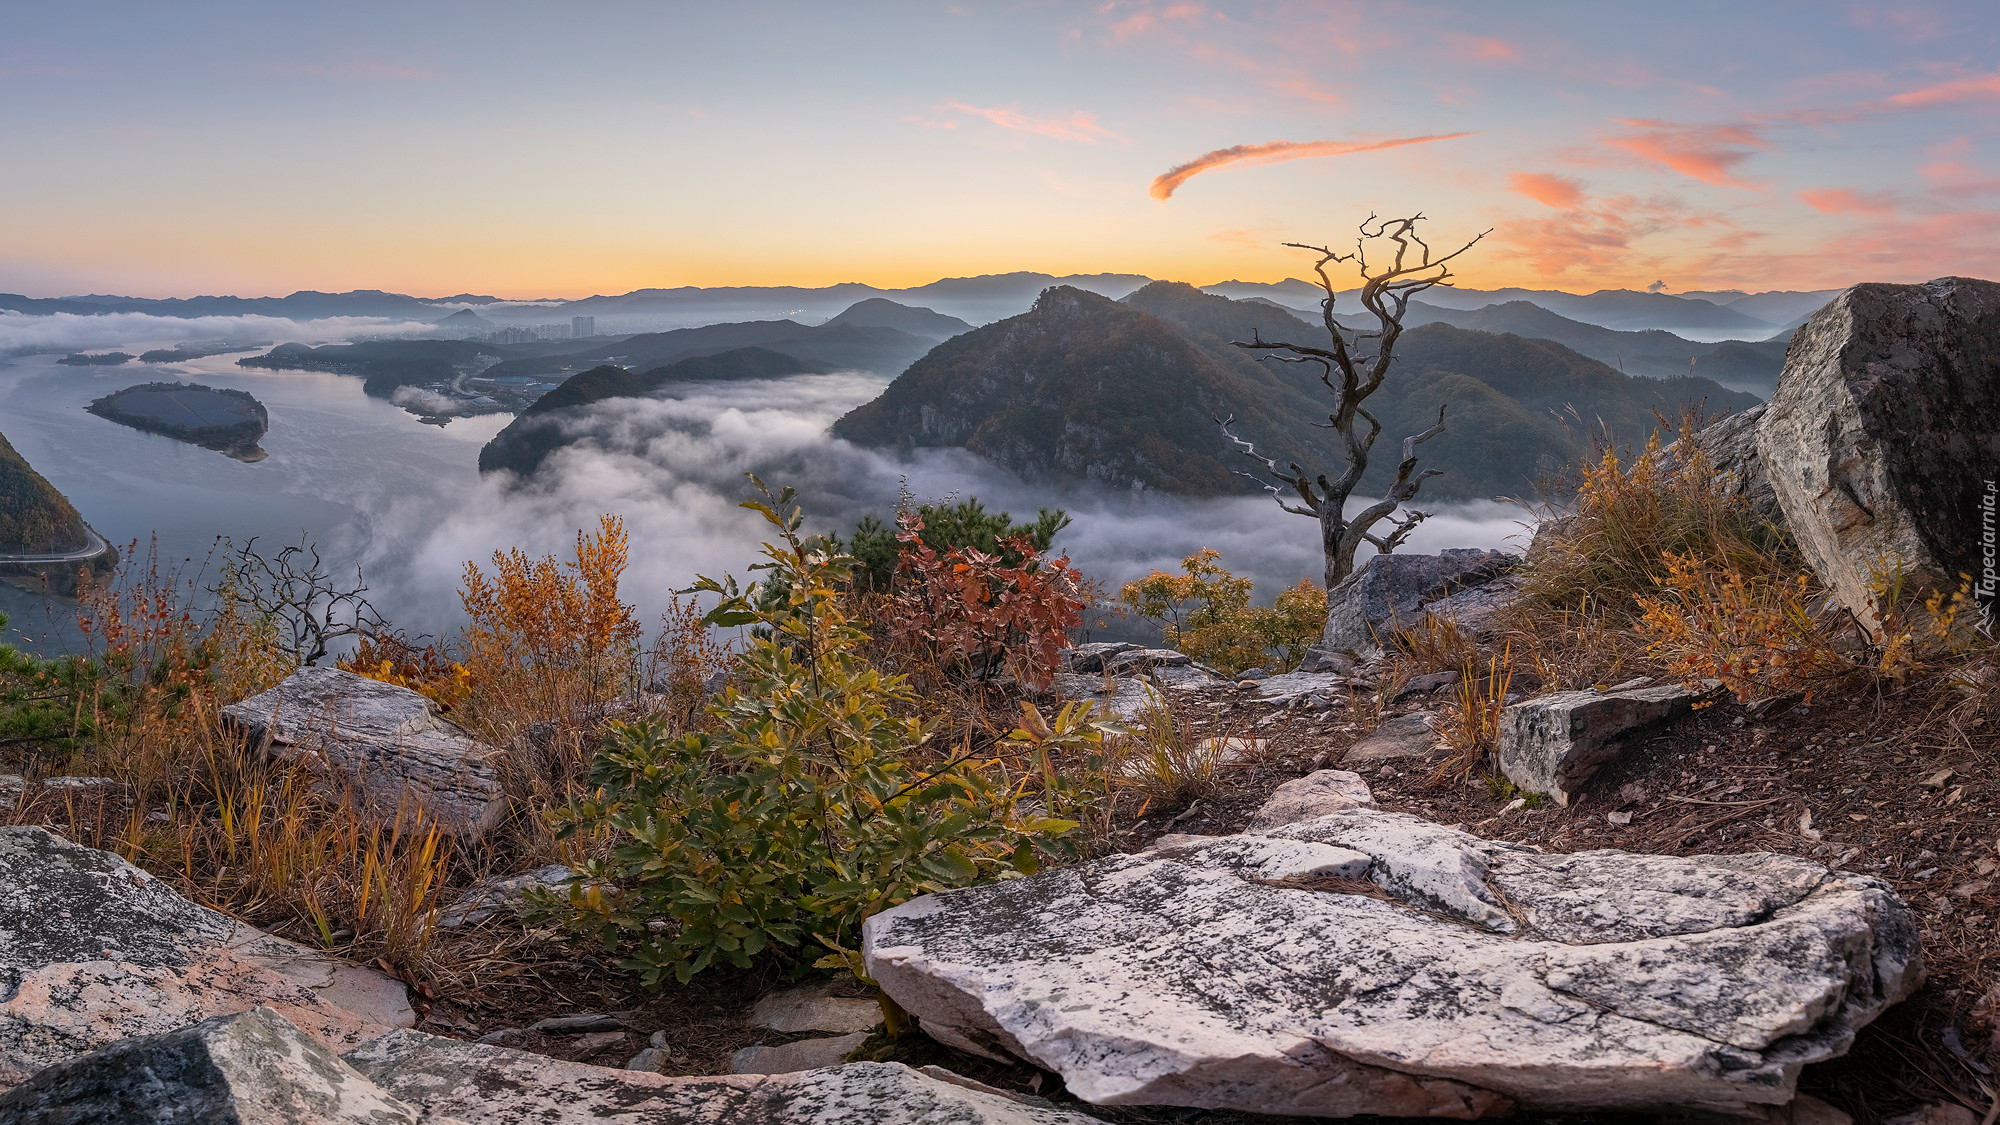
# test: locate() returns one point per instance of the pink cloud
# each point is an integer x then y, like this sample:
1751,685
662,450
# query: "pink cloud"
1560,192
1849,201
1984,87
1483,48
1079,126
1275,152
1708,153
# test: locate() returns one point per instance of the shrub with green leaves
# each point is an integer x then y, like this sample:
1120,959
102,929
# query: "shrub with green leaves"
877,546
813,799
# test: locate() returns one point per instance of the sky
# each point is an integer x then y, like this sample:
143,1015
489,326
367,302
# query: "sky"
530,150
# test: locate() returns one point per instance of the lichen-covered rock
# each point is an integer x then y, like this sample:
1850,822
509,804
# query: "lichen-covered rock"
1407,736
386,742
1314,795
93,950
502,895
1373,962
1883,433
252,1068
1554,743
484,1085
1389,592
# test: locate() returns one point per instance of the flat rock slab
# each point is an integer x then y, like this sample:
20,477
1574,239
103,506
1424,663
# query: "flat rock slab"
1555,743
800,1054
93,950
250,1067
1407,736
483,1085
794,1010
387,742
1287,686
1882,435
1314,795
1389,592
1374,962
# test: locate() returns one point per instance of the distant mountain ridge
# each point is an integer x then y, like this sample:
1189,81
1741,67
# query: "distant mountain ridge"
1124,394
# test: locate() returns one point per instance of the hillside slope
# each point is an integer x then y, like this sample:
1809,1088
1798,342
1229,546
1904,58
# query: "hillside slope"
1123,393
35,518
527,441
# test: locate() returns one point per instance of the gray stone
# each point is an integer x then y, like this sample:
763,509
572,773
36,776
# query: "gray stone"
1410,736
1087,658
1389,592
386,742
1883,433
502,896
1128,698
1730,447
1142,660
1292,685
652,1060
580,1022
249,1067
1314,795
94,950
498,1086
1479,610
793,1010
1320,658
1936,1113
1553,744
1373,962
800,1054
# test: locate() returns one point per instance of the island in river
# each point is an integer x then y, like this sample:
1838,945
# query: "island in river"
229,421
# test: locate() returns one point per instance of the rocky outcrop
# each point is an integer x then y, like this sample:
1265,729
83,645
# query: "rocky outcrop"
1314,795
484,1085
248,1067
1373,962
1884,433
93,950
1389,592
387,744
1730,448
1554,743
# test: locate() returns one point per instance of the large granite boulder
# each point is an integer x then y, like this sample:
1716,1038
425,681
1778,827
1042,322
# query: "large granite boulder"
1729,445
386,743
94,950
1374,962
1389,592
1884,433
1554,743
250,1068
484,1085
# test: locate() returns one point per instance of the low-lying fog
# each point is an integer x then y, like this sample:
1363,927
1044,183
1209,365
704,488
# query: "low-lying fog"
404,501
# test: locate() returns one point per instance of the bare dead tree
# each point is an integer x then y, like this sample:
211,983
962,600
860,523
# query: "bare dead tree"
292,591
1351,373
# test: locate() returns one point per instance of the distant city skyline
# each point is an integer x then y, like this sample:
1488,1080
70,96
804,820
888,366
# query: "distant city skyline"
436,149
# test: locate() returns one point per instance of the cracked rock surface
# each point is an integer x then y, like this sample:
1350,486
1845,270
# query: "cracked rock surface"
387,741
94,950
484,1085
1374,962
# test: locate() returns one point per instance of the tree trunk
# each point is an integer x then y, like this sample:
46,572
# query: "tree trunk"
1332,537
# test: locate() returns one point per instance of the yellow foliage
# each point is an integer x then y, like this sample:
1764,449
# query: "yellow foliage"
1205,612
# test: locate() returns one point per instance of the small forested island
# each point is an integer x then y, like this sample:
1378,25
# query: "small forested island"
182,353
229,421
105,359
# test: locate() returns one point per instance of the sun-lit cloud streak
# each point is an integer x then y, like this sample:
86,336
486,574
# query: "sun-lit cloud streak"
1560,192
1483,48
1708,153
1078,126
1983,87
1849,201
1275,152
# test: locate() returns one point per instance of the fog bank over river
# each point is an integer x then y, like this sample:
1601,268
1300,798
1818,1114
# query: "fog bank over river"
376,488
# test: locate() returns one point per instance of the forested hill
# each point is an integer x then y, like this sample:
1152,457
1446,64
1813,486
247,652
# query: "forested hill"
1123,393
34,518
528,440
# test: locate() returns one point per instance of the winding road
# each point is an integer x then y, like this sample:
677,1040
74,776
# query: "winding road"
94,547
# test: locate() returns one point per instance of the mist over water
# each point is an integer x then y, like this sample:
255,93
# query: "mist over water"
21,332
404,501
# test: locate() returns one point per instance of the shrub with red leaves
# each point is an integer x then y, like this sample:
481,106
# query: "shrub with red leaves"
979,616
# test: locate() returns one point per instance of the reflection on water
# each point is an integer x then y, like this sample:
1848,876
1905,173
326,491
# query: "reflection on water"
337,458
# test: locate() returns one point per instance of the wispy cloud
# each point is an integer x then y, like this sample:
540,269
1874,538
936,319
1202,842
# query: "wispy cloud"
1709,153
1169,181
1560,192
1480,48
1078,126
1980,88
1849,201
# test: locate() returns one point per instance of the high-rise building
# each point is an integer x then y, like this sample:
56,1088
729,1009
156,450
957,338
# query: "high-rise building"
581,326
